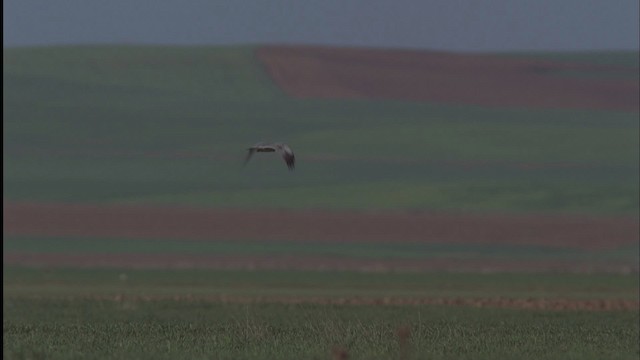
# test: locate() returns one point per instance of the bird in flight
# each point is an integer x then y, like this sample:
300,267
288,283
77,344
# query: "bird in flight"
283,149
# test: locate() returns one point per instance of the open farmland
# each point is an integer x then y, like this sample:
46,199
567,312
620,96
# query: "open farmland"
160,236
171,125
465,216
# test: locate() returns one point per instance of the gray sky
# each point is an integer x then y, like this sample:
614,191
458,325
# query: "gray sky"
458,25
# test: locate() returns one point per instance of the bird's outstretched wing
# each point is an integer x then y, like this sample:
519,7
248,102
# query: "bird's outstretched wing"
259,147
283,149
288,156
249,155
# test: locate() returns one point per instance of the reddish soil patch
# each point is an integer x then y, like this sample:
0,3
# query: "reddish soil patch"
59,219
439,77
201,224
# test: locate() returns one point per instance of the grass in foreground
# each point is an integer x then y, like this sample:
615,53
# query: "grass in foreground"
78,328
144,314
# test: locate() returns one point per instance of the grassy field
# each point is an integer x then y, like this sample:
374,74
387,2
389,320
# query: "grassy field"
71,282
171,125
198,330
179,315
627,254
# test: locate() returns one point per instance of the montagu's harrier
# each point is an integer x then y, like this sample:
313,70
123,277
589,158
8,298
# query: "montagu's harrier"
283,149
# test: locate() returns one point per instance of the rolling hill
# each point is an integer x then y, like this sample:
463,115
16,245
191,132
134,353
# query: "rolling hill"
170,125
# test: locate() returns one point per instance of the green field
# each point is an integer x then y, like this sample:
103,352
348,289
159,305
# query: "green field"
202,282
166,314
200,330
626,254
171,125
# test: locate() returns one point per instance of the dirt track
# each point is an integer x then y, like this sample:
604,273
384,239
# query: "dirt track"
439,77
558,304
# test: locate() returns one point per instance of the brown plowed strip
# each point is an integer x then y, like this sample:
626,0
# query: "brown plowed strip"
438,77
85,220
312,263
479,302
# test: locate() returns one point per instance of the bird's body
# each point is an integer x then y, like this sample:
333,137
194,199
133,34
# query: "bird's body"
283,149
